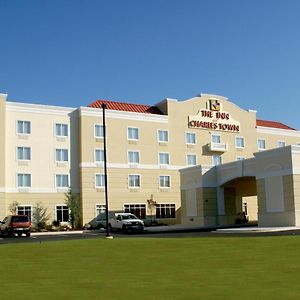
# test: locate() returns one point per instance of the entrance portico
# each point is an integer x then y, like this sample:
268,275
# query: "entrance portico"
210,197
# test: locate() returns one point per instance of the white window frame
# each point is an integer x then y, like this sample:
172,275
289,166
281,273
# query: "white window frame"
101,125
159,206
61,151
261,149
140,181
22,186
236,143
213,161
136,206
98,161
62,187
17,127
133,163
61,125
278,144
215,135
187,133
25,205
187,160
158,135
138,134
23,148
164,187
63,222
102,186
164,164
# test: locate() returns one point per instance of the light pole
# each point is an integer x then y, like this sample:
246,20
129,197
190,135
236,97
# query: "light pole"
103,106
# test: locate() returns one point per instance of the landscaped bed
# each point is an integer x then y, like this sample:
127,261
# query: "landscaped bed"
153,268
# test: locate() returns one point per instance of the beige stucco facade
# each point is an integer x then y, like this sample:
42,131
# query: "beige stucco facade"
177,173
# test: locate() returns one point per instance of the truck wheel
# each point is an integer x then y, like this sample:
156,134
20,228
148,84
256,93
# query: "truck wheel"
28,234
110,228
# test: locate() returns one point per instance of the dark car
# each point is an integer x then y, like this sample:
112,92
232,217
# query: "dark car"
16,224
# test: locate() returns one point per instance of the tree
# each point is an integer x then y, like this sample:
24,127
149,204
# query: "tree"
40,216
13,207
73,202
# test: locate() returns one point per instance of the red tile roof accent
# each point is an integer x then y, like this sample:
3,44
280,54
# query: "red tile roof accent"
123,106
273,124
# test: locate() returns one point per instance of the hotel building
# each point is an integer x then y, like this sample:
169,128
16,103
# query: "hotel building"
197,162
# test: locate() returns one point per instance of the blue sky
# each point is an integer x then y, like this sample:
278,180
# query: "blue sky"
72,52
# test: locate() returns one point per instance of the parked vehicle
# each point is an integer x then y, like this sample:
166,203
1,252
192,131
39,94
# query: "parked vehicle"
126,222
15,224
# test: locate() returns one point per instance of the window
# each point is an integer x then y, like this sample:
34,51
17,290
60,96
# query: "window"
99,155
240,158
134,181
163,136
24,180
23,127
239,142
164,158
132,133
261,144
280,144
62,180
165,211
23,153
216,160
133,157
190,138
100,212
62,213
216,138
164,181
191,159
61,130
99,132
62,155
138,210
24,211
100,181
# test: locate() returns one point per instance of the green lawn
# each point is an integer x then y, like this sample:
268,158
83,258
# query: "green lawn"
153,268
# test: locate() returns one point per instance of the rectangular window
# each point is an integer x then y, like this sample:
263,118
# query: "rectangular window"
62,155
216,160
133,157
62,213
164,158
24,180
138,210
23,153
164,181
62,180
190,138
163,136
99,155
100,181
280,144
134,181
165,211
100,212
239,142
216,138
23,127
61,130
24,211
191,160
99,132
261,144
132,133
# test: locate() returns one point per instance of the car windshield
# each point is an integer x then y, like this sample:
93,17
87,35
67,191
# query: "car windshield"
128,217
19,219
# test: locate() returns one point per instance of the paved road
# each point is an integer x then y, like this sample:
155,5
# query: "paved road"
101,235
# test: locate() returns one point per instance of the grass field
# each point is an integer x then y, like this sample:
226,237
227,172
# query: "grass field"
146,268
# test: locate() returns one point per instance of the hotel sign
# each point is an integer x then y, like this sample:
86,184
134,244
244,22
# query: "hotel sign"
214,118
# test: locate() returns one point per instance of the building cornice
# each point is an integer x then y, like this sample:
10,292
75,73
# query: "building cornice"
278,131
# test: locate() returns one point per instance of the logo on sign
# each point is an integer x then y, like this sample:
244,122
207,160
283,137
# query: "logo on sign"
214,105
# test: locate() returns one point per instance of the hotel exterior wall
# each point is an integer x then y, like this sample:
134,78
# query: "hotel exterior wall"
2,141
